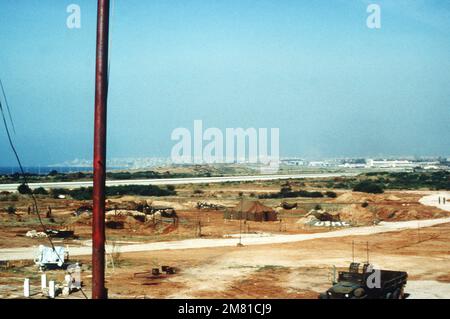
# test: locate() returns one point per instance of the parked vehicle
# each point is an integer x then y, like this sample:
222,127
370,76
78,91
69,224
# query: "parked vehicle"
356,284
48,257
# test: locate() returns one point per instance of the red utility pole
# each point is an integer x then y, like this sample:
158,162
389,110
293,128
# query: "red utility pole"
101,96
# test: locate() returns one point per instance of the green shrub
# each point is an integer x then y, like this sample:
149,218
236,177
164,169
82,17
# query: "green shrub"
53,173
40,191
11,210
24,189
368,187
291,194
330,194
84,193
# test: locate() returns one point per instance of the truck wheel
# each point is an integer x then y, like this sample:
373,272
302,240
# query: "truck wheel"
396,294
402,294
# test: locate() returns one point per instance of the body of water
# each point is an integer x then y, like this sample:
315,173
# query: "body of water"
43,170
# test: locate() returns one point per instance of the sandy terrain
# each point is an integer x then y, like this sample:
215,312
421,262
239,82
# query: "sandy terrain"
383,227
272,265
292,270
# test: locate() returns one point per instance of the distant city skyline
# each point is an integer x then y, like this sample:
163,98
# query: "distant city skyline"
333,86
142,162
404,163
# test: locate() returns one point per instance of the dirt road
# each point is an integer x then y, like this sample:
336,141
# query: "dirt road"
383,227
437,200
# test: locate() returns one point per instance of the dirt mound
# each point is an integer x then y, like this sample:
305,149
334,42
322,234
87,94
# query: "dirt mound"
131,221
355,214
393,198
346,197
307,220
82,219
353,198
416,212
324,216
174,205
356,197
124,199
122,212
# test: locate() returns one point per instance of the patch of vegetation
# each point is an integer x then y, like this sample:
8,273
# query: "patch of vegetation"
17,221
24,189
368,187
439,180
286,192
271,267
40,191
9,198
242,267
85,193
55,176
330,194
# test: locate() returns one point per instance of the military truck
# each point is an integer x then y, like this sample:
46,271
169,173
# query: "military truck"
361,284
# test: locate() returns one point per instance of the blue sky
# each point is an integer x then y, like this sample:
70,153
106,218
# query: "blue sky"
311,68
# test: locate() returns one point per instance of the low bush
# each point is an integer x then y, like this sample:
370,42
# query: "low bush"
368,187
40,191
24,189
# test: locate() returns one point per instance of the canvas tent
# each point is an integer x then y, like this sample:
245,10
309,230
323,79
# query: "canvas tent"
252,211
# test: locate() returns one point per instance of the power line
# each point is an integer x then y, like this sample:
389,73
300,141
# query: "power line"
7,106
25,181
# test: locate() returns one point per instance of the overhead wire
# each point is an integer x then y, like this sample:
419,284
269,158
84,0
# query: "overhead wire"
7,106
25,182
14,150
24,176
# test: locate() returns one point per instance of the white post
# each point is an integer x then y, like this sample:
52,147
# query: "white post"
68,279
26,288
77,277
43,281
51,289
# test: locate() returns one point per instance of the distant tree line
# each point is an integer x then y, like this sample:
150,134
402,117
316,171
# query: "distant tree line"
372,182
55,176
438,180
368,187
85,193
287,192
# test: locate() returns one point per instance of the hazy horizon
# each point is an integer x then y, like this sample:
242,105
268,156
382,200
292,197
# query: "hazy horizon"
334,87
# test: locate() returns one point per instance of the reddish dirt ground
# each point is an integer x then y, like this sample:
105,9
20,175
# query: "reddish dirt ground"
294,270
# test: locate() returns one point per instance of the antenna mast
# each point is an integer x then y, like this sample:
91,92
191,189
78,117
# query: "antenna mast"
101,95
